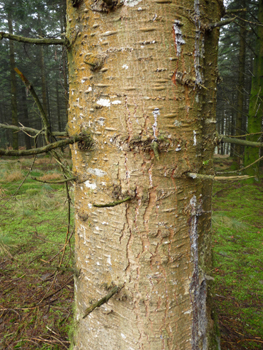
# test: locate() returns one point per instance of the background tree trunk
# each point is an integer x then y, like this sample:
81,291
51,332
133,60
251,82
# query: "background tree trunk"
13,85
255,112
143,76
239,149
25,116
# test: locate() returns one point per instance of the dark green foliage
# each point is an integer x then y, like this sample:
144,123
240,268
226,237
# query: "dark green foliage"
34,19
229,89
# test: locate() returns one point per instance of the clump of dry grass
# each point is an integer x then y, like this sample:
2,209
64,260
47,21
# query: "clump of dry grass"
51,177
2,192
40,161
12,176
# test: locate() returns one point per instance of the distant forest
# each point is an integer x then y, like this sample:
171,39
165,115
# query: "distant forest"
240,61
44,66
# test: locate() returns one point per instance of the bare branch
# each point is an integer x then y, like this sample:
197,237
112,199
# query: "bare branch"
44,41
44,149
39,105
27,129
218,178
254,133
235,11
223,138
241,169
102,301
62,181
221,23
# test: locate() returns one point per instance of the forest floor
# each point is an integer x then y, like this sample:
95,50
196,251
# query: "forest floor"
36,259
237,223
36,296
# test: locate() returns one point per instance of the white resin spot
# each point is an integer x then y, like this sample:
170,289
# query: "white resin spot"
90,185
103,102
193,201
116,102
125,66
109,260
96,172
101,121
178,148
179,41
131,3
194,132
188,312
177,123
156,112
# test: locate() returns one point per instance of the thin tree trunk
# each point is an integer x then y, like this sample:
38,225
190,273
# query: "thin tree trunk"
58,107
239,150
25,116
44,89
43,81
13,85
142,78
233,126
255,112
63,24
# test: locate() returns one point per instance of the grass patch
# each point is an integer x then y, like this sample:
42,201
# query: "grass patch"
238,262
35,297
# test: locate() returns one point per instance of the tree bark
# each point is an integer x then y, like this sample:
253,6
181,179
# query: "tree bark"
142,77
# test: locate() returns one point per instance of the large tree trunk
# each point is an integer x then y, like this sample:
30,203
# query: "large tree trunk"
143,76
255,112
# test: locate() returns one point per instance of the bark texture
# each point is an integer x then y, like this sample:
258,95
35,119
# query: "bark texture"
142,78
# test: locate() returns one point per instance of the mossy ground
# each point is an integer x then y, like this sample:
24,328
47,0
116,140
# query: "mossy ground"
36,299
238,262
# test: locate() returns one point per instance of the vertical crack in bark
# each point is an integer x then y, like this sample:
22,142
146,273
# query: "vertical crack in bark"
197,290
149,208
128,120
127,268
198,49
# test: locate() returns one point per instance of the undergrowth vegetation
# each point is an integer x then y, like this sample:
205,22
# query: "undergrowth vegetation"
36,275
238,263
36,286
